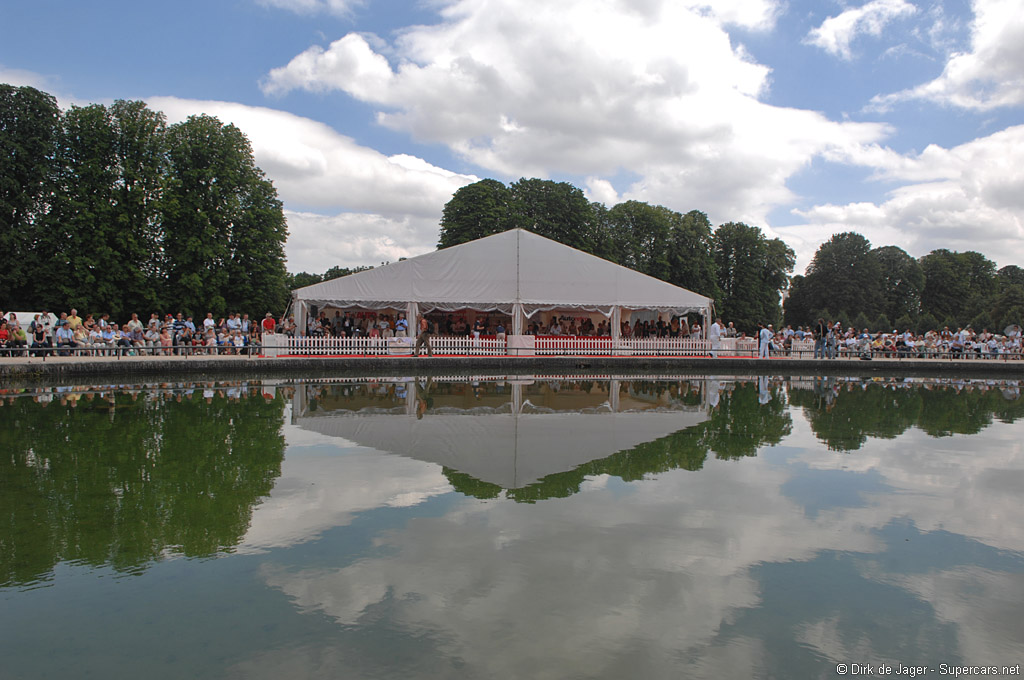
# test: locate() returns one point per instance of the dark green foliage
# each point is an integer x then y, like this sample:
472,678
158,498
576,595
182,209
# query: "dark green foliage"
882,324
861,321
957,284
29,128
903,323
983,321
1014,316
476,210
900,281
752,271
926,322
103,208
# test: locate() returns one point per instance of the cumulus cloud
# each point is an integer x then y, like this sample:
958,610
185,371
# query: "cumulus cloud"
990,75
588,88
837,33
361,207
969,197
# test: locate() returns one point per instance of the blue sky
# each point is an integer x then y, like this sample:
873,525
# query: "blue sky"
899,119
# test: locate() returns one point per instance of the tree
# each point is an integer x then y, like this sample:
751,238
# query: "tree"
224,228
80,242
29,125
752,272
957,284
691,264
643,234
103,232
901,281
844,276
556,210
798,309
474,211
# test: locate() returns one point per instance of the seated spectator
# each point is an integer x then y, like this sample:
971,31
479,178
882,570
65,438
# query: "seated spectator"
65,338
82,339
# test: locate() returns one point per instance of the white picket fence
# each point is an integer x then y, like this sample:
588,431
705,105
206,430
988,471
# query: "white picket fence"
312,346
582,346
463,346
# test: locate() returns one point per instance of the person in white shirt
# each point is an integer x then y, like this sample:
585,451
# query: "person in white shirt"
715,336
765,337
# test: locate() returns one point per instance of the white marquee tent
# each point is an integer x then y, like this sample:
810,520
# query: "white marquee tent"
516,272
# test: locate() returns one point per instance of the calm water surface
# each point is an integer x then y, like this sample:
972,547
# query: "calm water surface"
763,527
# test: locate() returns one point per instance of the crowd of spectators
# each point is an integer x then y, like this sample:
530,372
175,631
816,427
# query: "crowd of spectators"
69,333
831,340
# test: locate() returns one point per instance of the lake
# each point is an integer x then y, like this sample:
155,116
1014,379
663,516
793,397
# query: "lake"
512,527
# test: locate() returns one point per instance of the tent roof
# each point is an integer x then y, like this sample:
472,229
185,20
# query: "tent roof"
514,266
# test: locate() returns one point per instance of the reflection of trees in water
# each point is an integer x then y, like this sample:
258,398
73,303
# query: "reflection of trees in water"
122,483
843,414
738,427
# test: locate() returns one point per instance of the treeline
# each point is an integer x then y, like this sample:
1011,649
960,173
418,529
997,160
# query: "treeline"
744,271
107,208
885,288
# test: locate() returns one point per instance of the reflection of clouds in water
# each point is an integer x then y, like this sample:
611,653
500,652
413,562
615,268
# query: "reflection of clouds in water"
324,487
586,585
964,484
640,579
987,605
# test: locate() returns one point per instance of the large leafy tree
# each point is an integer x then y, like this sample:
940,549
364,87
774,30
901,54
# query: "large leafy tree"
901,282
643,233
957,285
752,272
690,260
81,241
29,126
843,277
557,210
474,211
102,236
224,228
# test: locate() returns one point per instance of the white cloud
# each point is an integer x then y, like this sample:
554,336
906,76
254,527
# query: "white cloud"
337,7
21,78
969,197
836,33
588,88
368,207
990,75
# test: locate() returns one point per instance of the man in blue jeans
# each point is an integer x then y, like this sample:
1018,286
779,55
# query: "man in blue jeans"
820,331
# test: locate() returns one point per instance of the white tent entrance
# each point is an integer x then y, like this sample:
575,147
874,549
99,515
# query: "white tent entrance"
517,279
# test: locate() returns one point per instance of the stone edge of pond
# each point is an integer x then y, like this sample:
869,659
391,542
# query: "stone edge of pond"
333,367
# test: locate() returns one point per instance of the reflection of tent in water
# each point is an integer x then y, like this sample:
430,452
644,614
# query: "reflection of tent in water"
512,445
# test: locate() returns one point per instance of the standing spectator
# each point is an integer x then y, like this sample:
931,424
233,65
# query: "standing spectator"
423,338
715,336
764,337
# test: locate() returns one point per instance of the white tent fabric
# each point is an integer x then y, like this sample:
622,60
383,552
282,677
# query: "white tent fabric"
510,450
497,273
